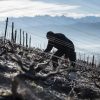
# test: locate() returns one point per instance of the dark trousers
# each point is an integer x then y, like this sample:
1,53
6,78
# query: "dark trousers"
72,57
68,54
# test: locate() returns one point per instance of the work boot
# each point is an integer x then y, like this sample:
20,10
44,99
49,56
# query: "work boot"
55,65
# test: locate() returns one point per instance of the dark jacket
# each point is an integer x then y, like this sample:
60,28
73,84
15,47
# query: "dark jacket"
59,41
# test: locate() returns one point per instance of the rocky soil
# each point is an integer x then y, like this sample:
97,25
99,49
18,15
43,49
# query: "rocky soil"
26,74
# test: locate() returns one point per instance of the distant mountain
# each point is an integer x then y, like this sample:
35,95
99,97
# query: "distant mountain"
89,19
45,20
57,20
40,24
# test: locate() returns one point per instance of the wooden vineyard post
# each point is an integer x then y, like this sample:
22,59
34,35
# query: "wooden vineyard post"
30,42
20,36
12,35
84,57
87,60
93,61
15,36
26,40
6,29
23,38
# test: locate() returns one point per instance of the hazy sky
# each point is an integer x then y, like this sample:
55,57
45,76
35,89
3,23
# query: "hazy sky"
70,8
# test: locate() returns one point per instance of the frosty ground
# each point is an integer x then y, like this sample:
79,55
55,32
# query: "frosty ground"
25,74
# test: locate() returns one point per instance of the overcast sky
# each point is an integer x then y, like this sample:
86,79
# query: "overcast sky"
70,8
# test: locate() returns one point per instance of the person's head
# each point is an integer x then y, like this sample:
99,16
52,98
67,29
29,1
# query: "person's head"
49,34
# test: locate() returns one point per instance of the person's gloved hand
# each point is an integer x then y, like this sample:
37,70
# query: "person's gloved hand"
43,54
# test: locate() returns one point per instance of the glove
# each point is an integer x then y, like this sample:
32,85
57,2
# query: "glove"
43,54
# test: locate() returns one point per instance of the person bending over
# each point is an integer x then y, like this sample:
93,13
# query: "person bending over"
63,45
